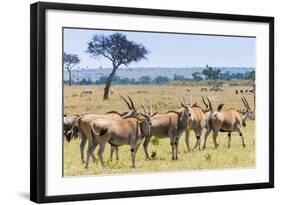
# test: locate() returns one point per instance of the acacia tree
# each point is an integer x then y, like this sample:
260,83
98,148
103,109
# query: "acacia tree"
70,60
211,73
119,50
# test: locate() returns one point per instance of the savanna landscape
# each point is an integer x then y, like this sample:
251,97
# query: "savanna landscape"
164,98
125,89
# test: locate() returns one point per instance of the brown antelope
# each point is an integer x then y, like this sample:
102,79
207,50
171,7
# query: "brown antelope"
228,121
88,118
196,122
216,89
85,92
117,132
169,125
252,90
111,90
204,89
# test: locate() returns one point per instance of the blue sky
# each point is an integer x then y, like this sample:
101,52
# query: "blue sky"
170,50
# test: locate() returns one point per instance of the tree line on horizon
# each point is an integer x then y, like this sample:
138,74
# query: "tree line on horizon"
143,80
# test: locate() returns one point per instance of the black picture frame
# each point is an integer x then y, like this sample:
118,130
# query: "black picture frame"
38,101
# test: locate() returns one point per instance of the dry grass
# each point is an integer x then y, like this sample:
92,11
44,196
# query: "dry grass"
164,98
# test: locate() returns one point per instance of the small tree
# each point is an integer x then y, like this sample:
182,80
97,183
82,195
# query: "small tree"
196,76
161,79
70,60
179,77
211,73
144,80
118,50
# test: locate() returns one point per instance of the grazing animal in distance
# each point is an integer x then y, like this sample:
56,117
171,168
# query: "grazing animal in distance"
236,92
228,121
204,89
86,92
216,89
188,89
252,90
111,90
241,91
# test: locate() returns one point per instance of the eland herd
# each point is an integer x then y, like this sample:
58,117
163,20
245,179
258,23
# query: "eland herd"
132,127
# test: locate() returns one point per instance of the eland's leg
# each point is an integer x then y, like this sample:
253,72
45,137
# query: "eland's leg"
198,139
172,142
241,135
176,146
229,139
133,155
112,148
134,149
196,143
215,135
145,146
187,132
91,147
100,153
82,147
206,137
117,153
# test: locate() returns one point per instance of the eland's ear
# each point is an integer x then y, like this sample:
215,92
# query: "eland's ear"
220,107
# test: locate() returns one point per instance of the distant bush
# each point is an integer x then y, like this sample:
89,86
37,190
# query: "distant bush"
179,77
85,82
161,80
144,80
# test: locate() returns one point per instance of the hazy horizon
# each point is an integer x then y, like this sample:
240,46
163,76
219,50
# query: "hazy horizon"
149,67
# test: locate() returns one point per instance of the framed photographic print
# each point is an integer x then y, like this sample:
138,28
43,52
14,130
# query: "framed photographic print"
129,102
